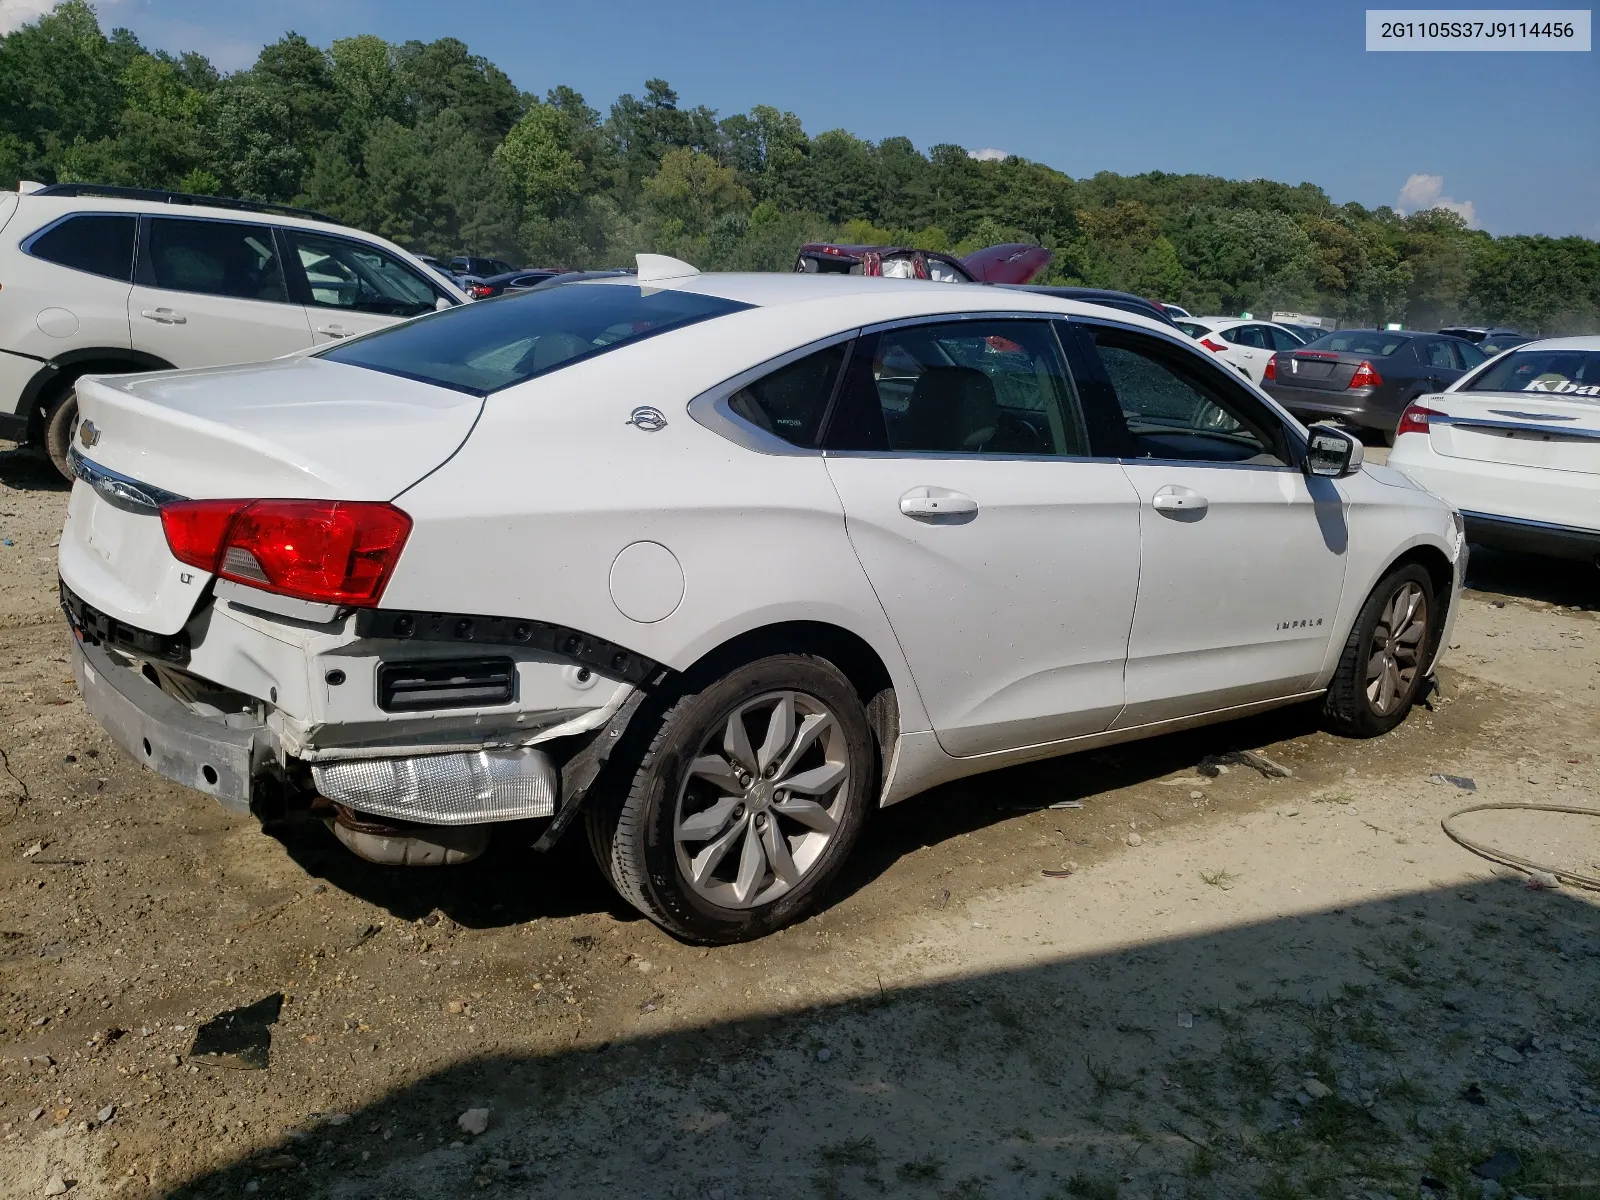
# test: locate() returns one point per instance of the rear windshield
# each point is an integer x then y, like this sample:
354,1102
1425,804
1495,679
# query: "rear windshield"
493,344
1359,341
1557,372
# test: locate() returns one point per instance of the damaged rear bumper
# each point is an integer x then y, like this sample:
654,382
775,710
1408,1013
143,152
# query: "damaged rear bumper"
209,755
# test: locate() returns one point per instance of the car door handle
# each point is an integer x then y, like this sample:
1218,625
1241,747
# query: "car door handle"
334,331
165,316
1174,499
925,503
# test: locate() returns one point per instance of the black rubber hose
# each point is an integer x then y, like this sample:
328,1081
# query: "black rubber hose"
1513,860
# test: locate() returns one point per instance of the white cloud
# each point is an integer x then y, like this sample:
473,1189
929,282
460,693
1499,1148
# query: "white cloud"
987,154
1422,192
14,14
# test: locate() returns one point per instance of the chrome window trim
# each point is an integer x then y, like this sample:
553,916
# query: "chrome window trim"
1556,432
118,490
1210,465
712,410
959,456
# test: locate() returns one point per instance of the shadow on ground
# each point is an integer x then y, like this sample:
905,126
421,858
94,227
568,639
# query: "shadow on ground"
1532,577
514,884
1372,1051
22,469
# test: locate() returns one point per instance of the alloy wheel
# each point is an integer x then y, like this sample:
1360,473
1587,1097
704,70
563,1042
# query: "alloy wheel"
1395,655
762,799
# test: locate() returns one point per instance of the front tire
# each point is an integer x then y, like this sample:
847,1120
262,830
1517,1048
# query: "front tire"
55,439
746,803
1382,670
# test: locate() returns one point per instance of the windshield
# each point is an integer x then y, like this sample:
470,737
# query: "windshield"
1574,373
1360,341
481,348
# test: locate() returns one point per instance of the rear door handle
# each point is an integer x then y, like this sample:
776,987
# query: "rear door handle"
1175,499
924,503
334,331
165,316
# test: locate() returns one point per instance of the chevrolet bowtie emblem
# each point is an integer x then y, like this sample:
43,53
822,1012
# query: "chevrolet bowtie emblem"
88,433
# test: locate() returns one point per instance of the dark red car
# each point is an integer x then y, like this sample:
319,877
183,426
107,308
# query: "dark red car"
1014,262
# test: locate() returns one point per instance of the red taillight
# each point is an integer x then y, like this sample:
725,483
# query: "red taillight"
1415,419
1214,347
1365,376
480,291
329,551
1272,369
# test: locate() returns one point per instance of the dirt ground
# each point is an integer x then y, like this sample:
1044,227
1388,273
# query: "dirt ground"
1286,987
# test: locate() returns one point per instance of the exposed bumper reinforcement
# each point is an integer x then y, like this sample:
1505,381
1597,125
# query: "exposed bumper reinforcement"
161,733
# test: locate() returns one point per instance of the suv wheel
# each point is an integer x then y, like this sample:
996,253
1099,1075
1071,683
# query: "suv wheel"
60,419
1380,674
746,803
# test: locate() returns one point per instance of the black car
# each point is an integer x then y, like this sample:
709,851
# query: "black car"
1490,339
1126,301
481,268
1366,377
510,281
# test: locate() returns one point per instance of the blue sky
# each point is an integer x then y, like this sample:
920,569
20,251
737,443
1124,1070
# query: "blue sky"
1243,89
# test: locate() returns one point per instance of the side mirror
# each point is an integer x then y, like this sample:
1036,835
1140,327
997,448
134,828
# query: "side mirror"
1333,453
442,305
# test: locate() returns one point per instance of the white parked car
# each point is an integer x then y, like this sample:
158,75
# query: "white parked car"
99,280
1247,346
720,562
1515,445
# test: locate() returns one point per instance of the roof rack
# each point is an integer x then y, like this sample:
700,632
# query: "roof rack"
157,195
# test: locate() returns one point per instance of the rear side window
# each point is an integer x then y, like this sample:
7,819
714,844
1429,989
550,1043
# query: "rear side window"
484,347
1247,335
1437,354
100,245
967,387
215,258
791,401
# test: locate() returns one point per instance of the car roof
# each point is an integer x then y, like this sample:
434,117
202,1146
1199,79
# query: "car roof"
1587,341
876,298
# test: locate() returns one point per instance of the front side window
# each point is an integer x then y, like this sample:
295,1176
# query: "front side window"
792,401
215,258
98,244
1574,373
359,277
1175,409
484,347
1282,339
962,387
1470,355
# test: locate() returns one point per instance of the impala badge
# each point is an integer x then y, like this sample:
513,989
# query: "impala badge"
88,433
651,420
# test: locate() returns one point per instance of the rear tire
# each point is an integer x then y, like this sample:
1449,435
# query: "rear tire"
1382,669
55,435
745,804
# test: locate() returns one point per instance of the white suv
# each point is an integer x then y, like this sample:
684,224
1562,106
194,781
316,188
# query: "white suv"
104,280
724,561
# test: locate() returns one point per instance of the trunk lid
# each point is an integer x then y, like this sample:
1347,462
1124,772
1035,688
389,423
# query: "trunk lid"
296,427
1014,262
1527,429
1320,369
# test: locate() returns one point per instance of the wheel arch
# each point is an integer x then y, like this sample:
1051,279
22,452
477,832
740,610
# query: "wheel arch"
855,657
64,369
1441,573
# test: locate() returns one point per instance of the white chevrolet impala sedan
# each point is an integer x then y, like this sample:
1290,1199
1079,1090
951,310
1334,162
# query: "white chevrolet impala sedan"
715,564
